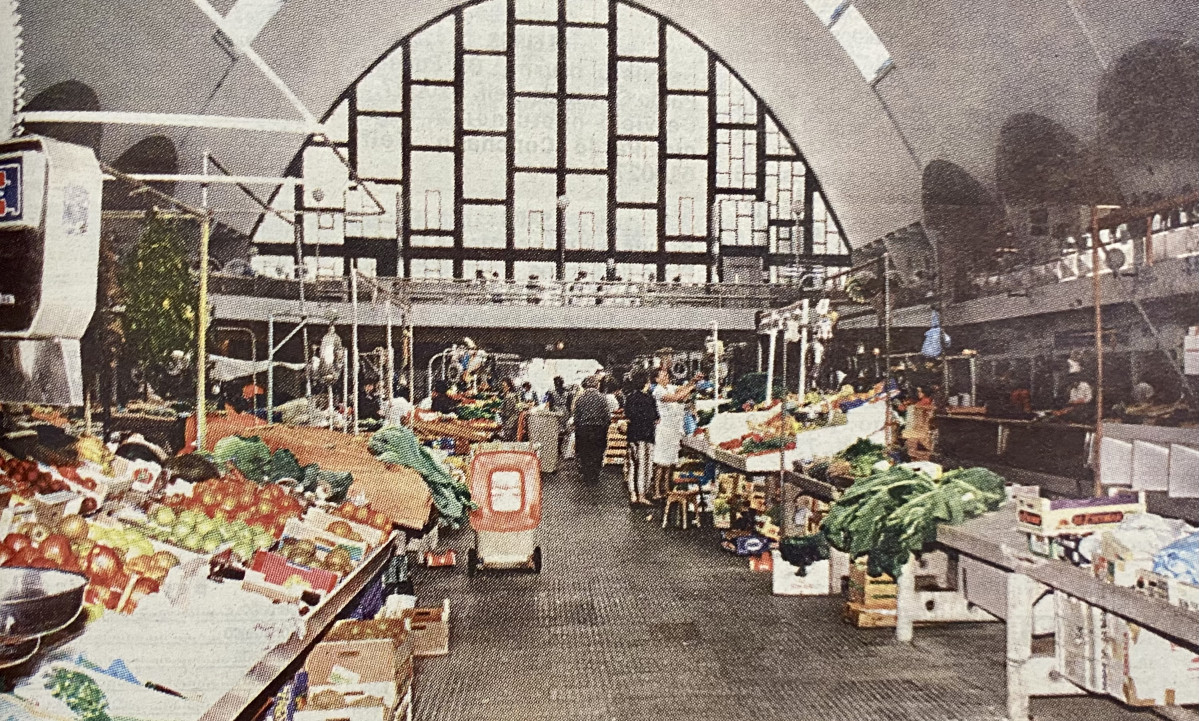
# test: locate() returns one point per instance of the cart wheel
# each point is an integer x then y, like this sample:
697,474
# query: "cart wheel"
472,561
537,559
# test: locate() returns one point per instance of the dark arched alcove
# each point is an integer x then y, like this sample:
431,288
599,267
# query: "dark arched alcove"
1149,102
154,154
963,220
68,95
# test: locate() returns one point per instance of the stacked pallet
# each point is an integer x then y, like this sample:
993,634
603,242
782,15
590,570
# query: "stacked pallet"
617,441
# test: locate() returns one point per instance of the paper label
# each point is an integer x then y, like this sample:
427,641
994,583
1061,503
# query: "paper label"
339,675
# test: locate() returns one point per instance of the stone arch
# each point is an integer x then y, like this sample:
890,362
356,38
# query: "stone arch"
67,95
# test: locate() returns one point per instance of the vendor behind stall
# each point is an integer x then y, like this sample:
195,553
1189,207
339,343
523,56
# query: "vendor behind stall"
510,410
668,435
440,400
1080,396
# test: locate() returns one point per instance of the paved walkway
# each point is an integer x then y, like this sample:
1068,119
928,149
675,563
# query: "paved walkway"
632,622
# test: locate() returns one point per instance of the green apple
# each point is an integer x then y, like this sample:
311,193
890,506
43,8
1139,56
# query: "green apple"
264,540
243,551
211,541
164,517
205,526
193,541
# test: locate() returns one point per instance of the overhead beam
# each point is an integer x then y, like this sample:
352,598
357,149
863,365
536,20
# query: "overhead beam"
178,120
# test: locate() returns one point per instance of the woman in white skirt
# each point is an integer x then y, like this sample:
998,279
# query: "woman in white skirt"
668,436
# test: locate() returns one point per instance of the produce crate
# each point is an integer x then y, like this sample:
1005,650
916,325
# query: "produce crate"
356,670
320,520
395,629
430,629
1171,590
1075,516
875,592
51,509
269,572
325,542
863,617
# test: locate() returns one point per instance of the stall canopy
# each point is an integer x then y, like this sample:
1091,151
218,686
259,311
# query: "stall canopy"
227,369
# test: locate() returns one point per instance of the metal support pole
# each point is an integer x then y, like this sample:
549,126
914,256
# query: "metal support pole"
803,363
270,369
716,367
354,345
345,394
770,366
391,355
202,323
1097,293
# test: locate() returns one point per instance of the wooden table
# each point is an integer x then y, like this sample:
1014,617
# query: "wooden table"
995,540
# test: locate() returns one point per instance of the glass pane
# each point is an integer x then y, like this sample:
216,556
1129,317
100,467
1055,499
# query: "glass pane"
383,89
485,26
362,218
688,274
734,103
432,115
687,124
484,167
637,98
485,92
686,197
274,266
638,272
860,41
337,126
323,267
587,214
536,9
432,268
325,178
636,229
587,61
432,52
535,219
686,246
636,32
432,241
686,62
536,133
483,226
272,228
324,228
366,266
492,269
380,147
587,134
536,59
587,11
636,172
431,197
524,270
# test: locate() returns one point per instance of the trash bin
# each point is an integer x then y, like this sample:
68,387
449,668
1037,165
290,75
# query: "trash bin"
543,429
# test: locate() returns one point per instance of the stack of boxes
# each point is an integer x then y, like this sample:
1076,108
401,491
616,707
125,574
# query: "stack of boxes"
362,671
871,601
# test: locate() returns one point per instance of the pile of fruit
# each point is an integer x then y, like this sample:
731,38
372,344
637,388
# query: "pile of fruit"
230,499
200,533
303,552
121,565
363,514
26,478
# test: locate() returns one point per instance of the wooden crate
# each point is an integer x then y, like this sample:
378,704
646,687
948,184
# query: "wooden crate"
873,592
863,617
614,454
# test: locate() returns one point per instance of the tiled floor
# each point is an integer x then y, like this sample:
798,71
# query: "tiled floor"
628,621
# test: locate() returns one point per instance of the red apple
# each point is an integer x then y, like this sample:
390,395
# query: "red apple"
57,548
17,541
103,564
23,557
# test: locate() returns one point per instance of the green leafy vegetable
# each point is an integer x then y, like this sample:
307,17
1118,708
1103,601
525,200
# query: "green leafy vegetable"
284,465
892,514
249,455
80,693
397,445
478,410
803,551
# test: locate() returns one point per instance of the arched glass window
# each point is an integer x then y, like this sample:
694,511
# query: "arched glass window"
549,137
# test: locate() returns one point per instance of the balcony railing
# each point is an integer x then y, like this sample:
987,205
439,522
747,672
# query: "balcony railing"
1162,243
542,293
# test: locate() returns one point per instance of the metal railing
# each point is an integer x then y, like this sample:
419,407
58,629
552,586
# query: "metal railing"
542,293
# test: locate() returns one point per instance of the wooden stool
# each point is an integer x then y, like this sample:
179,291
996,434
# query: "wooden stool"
686,500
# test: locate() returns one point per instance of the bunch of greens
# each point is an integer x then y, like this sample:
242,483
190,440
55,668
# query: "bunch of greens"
803,551
80,693
704,418
862,456
478,410
891,515
256,462
751,387
397,445
755,444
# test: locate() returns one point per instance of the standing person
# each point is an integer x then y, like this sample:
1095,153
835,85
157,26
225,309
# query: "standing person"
558,401
611,394
642,413
527,395
510,410
669,433
591,421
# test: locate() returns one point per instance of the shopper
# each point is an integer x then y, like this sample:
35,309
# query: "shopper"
591,421
441,401
557,398
510,410
527,394
642,413
669,432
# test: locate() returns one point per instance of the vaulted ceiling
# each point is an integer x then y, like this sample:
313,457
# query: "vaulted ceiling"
1112,81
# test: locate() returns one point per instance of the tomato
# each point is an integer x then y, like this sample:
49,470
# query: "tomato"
88,506
23,557
17,541
102,564
57,548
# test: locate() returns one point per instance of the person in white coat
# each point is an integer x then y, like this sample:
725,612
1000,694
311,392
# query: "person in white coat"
668,435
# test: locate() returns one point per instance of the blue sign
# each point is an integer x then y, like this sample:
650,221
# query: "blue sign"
10,190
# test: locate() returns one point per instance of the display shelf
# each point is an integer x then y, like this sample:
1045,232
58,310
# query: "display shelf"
240,701
822,490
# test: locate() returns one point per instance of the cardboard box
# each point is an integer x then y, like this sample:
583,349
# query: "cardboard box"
863,617
1144,669
875,592
356,669
1079,642
1117,564
430,629
320,520
1171,590
394,629
1075,516
787,583
324,542
275,570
